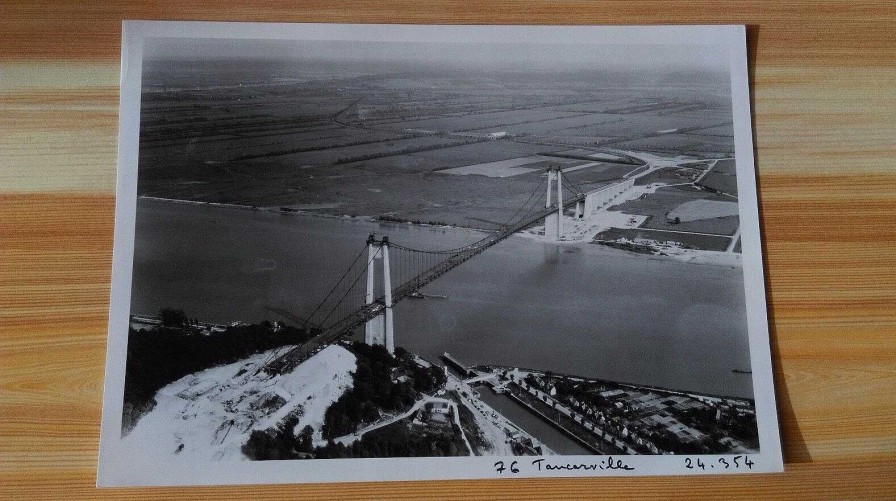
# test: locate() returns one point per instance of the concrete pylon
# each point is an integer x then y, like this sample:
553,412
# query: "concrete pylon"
387,285
559,204
547,202
379,329
553,223
374,329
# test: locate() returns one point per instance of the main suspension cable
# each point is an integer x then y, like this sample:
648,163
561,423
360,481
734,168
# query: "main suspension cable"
308,319
372,258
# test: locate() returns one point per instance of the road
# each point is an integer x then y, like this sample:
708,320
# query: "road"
692,232
349,439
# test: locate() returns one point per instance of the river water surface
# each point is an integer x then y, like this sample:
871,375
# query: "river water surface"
580,309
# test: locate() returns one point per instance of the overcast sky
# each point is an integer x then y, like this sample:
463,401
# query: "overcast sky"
495,56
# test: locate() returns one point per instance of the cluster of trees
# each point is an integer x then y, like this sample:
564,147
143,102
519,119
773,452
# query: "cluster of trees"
626,246
281,442
741,427
394,219
398,440
374,390
424,379
162,355
395,440
745,428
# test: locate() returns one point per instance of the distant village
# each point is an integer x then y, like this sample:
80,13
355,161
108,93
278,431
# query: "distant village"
621,418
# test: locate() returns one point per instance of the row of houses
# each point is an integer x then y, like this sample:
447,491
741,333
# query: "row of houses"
638,417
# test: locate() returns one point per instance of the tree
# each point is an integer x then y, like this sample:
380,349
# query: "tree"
305,443
172,318
263,446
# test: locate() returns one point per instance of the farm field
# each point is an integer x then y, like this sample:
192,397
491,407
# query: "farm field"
704,209
352,139
346,154
554,125
505,168
659,206
709,146
230,148
670,175
722,130
722,178
457,156
599,172
485,122
570,138
645,124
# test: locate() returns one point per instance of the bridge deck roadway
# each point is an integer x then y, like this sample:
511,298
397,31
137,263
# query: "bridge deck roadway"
297,355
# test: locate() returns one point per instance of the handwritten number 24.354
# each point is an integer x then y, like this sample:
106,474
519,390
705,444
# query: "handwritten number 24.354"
734,462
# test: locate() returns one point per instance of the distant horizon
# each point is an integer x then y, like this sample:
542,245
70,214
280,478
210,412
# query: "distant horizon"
496,57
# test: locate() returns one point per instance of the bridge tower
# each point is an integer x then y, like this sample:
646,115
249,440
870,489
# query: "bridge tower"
379,329
553,224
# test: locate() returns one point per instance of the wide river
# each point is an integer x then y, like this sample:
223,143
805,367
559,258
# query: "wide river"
580,309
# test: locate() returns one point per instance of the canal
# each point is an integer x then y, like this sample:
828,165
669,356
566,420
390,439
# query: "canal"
555,439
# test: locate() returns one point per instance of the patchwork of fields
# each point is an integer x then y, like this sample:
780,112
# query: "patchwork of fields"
679,211
435,146
660,205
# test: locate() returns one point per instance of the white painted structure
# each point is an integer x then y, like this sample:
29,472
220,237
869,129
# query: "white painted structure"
600,198
591,204
379,329
553,224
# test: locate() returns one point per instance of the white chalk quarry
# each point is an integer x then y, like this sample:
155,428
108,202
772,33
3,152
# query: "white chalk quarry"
209,415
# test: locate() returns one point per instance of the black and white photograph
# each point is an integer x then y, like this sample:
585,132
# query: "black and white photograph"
465,252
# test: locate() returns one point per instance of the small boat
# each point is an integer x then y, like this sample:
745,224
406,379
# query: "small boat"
741,371
420,295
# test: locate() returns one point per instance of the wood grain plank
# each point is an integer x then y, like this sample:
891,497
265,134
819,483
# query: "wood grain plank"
811,32
824,121
828,480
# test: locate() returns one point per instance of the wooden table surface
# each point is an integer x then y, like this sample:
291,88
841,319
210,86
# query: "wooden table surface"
823,77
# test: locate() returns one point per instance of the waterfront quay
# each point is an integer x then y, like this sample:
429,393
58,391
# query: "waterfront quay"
617,418
572,424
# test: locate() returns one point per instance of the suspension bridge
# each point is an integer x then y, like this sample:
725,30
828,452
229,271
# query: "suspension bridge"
352,302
